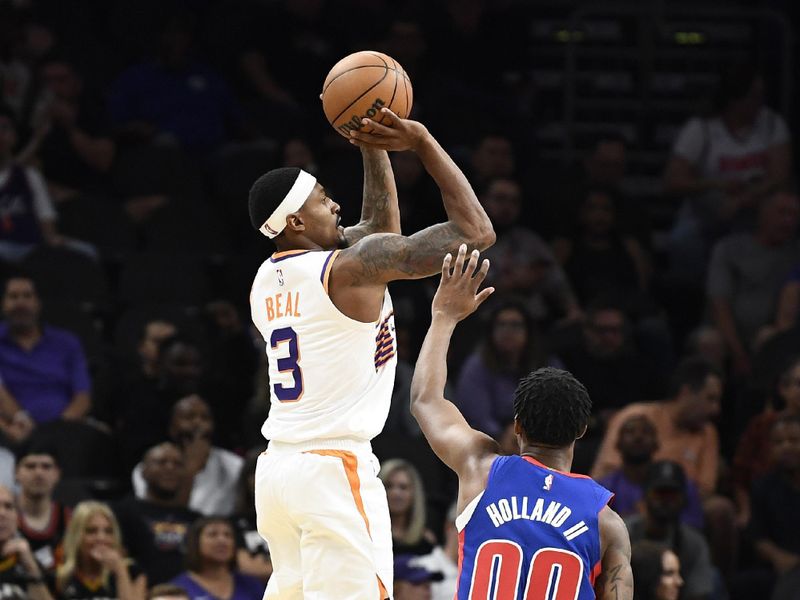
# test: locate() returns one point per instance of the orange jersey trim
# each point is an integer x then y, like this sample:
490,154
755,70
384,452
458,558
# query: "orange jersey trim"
327,273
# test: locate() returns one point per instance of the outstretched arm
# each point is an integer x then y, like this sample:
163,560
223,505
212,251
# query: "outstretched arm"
458,445
616,580
380,212
380,258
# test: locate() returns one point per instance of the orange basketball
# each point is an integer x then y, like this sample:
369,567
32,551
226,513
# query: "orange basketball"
362,83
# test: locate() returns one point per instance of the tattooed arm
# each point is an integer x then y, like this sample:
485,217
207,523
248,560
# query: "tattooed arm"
379,210
616,579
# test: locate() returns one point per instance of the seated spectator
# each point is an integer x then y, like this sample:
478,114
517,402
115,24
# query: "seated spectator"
776,509
95,565
492,158
42,520
788,302
144,412
155,527
598,258
722,165
214,472
751,461
27,216
664,500
522,263
211,564
747,271
175,95
637,443
407,508
444,560
683,425
252,554
605,359
511,349
15,429
656,572
413,581
43,367
69,131
22,576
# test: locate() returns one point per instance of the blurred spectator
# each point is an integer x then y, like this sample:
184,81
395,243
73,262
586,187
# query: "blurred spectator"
407,508
788,302
21,577
723,164
664,500
154,527
444,560
598,257
605,359
707,341
522,263
42,519
43,367
413,581
231,368
145,411
683,424
174,95
252,554
27,216
746,272
511,349
656,572
776,509
95,565
211,564
214,472
69,131
751,460
167,591
492,158
637,443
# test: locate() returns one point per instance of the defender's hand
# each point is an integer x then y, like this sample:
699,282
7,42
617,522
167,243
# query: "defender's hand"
393,134
458,296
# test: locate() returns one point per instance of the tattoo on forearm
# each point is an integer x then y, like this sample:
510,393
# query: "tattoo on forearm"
420,255
376,194
613,580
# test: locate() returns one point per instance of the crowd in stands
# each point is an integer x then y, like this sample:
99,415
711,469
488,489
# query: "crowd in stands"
133,385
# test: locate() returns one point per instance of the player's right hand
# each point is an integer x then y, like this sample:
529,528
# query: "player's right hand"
393,134
458,295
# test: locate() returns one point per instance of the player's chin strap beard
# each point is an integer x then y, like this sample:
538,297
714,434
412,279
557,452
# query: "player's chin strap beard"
292,202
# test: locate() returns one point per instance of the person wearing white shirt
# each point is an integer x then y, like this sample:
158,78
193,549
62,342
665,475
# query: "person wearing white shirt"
215,471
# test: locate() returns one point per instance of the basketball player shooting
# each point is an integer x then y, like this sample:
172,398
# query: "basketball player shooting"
529,528
322,306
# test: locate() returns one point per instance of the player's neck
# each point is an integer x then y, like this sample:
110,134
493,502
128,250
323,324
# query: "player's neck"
559,459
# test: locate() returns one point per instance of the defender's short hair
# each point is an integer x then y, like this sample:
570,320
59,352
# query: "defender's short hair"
552,407
268,192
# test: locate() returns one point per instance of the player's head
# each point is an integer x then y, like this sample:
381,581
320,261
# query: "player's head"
551,408
289,206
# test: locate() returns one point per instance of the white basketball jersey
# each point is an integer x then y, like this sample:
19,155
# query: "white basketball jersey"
330,376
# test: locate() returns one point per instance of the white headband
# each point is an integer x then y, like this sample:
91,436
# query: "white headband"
294,200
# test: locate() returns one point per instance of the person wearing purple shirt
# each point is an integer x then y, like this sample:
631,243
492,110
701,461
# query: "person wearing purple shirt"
489,376
637,443
211,572
43,368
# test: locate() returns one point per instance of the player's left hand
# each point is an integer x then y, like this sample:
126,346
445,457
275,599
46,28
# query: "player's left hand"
458,295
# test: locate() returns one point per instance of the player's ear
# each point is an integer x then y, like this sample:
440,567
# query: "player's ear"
583,433
295,222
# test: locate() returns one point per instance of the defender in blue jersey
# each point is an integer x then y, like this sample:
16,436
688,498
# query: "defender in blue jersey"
528,528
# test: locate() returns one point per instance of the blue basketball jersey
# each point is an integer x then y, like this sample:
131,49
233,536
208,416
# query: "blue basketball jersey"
533,535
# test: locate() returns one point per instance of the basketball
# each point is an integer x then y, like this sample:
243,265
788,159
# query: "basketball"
359,85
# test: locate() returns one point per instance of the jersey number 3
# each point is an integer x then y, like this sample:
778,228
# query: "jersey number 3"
554,573
288,364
